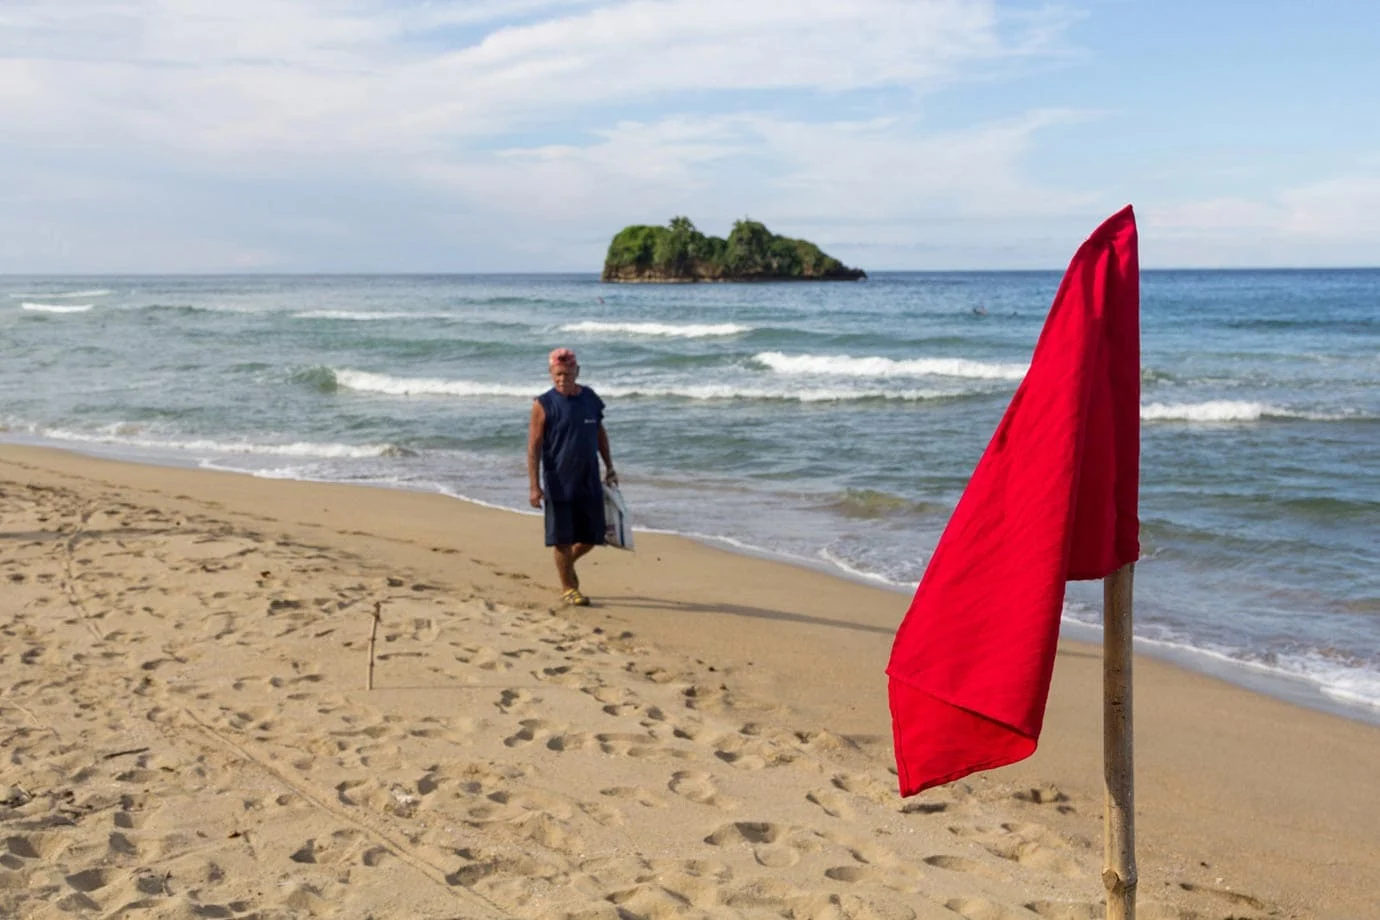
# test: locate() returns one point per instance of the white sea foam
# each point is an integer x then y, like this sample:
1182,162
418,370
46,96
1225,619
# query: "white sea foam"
855,572
1223,410
1349,684
55,307
831,562
59,295
115,435
1345,684
1356,689
663,330
789,394
366,382
876,366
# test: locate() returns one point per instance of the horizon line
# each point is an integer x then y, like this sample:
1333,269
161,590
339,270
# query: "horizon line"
289,273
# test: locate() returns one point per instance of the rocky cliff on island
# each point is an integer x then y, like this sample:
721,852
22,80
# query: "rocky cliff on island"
678,252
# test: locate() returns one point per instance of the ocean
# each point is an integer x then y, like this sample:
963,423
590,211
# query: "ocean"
832,425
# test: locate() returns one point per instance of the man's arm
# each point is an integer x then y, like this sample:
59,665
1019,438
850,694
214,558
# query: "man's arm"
534,436
609,475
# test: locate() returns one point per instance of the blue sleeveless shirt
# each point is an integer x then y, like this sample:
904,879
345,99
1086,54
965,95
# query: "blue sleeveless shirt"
570,445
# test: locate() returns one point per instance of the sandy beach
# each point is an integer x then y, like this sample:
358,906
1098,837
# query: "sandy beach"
188,733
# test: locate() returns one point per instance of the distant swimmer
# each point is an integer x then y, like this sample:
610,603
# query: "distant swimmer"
601,300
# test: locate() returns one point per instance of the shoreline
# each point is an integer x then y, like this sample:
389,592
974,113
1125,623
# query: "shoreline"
1275,684
770,674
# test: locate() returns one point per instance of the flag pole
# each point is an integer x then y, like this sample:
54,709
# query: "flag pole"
1119,859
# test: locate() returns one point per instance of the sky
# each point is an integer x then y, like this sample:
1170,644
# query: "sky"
185,136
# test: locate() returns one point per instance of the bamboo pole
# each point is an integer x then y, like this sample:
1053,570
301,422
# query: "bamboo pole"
1119,856
373,634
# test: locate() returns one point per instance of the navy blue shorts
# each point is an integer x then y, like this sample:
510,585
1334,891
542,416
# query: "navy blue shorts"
578,521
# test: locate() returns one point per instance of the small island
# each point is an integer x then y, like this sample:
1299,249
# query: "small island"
678,253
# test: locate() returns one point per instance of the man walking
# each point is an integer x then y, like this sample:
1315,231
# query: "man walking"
567,437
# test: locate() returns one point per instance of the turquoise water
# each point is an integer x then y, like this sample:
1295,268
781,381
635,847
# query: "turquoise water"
834,425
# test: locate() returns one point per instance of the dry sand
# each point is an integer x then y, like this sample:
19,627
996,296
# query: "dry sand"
187,732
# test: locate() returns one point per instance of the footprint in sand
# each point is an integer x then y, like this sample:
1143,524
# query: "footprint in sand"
703,698
699,788
1029,845
133,812
483,658
532,815
554,737
561,676
1047,794
21,848
516,701
604,814
374,856
570,741
867,787
871,875
528,731
630,745
924,808
775,846
833,804
375,796
424,629
644,797
432,780
749,753
340,846
1234,898
120,844
982,909
91,879
962,864
1065,910
866,852
751,832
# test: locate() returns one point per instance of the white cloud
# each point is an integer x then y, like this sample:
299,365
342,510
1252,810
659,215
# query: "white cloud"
292,75
425,94
1343,208
858,184
320,122
1330,222
645,47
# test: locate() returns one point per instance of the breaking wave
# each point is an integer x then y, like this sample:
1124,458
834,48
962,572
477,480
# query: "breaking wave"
1225,410
662,330
847,366
366,382
55,307
124,434
60,295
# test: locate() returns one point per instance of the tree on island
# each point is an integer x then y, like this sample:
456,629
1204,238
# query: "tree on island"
679,252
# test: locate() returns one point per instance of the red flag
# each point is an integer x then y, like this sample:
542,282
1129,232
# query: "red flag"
1053,498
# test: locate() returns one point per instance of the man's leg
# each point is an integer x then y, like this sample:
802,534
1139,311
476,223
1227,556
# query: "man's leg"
588,524
576,522
565,565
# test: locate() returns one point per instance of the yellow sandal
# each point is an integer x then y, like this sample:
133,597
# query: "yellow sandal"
574,598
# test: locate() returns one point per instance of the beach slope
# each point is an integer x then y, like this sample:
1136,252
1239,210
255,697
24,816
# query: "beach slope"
184,658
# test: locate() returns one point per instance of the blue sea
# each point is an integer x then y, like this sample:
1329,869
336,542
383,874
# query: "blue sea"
833,425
